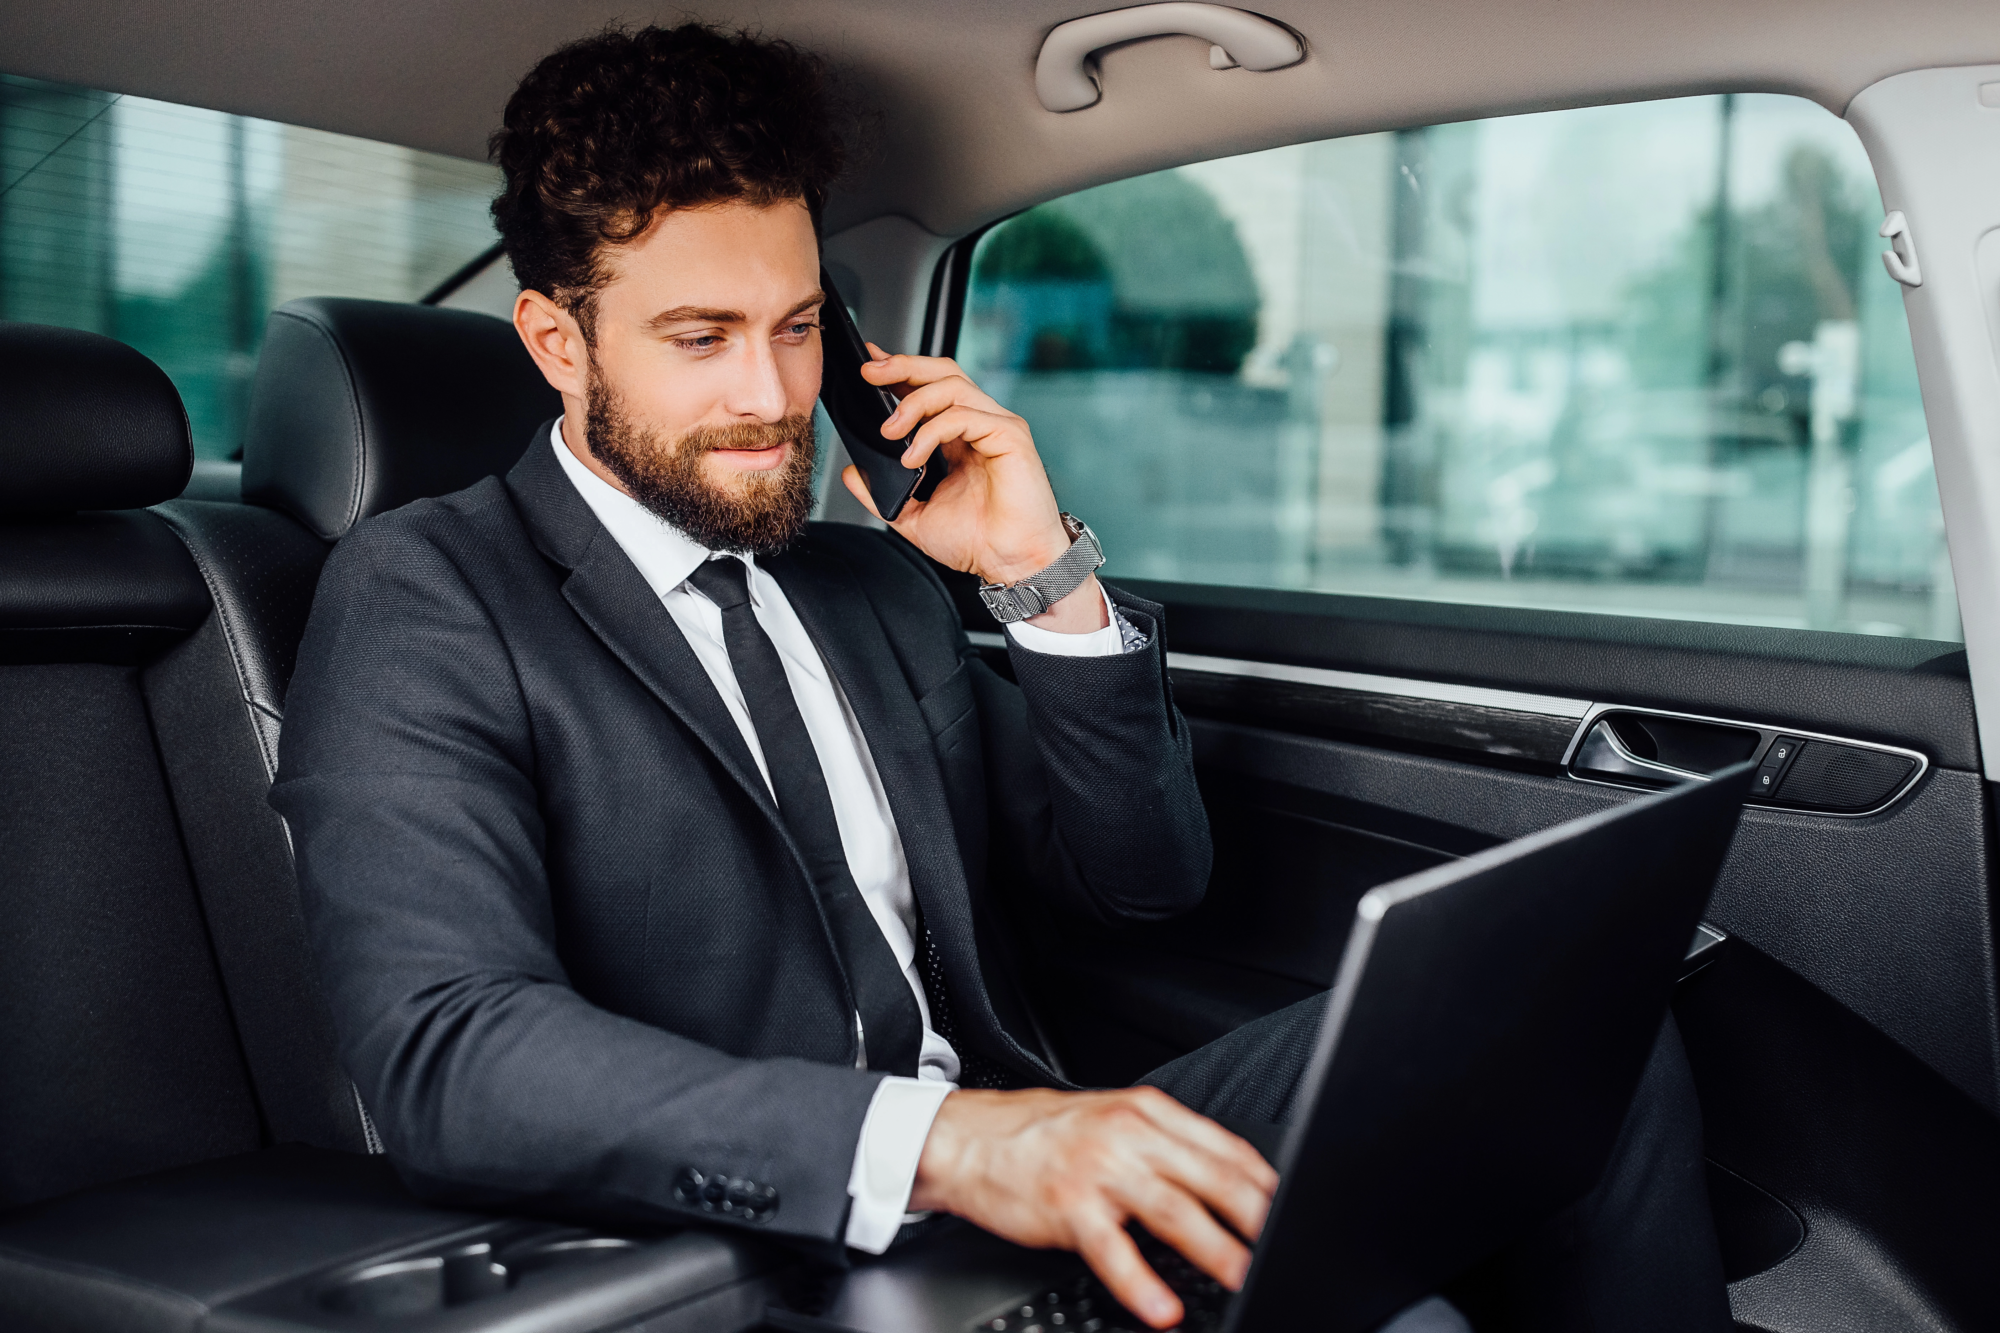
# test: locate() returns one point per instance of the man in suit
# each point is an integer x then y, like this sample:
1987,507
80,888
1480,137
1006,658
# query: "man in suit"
647,834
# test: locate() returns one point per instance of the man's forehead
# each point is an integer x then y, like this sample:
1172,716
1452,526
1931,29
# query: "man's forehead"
725,259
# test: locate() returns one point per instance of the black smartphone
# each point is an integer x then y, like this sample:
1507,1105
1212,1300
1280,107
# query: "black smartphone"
858,409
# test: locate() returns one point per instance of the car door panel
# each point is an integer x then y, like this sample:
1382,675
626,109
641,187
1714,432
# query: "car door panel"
1268,934
1899,691
1887,913
1892,1170
1843,1038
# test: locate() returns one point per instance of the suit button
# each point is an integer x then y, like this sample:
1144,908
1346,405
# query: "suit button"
687,1186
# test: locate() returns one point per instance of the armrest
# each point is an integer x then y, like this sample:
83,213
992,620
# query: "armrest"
293,1239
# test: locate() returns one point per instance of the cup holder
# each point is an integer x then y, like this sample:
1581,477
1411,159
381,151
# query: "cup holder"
420,1285
427,1283
537,1258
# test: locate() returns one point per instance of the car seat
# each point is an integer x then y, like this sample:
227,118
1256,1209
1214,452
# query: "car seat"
179,1148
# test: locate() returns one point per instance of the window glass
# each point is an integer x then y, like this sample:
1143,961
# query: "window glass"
1638,359
177,230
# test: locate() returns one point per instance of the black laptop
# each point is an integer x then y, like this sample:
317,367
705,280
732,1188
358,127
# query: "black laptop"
1484,1035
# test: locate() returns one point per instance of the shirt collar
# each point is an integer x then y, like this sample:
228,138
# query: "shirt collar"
664,554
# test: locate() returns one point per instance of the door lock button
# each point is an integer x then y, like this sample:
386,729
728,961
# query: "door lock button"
1771,772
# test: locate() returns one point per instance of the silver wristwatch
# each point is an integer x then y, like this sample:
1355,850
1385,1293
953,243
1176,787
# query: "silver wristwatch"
1038,592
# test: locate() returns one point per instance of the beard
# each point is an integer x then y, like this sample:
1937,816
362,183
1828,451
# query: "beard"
765,512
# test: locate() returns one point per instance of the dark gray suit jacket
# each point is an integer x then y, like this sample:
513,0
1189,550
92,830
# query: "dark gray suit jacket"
571,951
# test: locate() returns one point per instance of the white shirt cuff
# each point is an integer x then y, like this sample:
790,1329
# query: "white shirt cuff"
885,1160
1106,642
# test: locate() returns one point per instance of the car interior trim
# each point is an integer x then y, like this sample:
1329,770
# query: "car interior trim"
1767,737
463,274
1476,696
1489,726
963,76
1643,770
1928,135
944,309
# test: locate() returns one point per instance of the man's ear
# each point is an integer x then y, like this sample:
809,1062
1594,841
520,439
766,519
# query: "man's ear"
555,340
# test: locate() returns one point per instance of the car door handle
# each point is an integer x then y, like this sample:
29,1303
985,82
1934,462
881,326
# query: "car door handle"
1602,754
1800,770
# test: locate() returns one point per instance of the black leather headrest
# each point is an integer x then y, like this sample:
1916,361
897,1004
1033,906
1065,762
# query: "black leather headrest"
362,406
86,423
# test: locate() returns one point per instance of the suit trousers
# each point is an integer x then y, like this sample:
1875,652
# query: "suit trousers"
1638,1253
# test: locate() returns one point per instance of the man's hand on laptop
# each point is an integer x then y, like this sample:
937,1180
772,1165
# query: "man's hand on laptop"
1068,1170
994,514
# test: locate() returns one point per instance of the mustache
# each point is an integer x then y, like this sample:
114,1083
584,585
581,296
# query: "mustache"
750,436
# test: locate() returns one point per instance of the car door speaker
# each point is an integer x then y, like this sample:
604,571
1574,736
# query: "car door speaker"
1834,777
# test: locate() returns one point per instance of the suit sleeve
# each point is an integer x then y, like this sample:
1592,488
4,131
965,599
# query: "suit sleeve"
406,778
1092,770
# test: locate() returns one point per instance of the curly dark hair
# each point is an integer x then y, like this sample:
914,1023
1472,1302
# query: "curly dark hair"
606,132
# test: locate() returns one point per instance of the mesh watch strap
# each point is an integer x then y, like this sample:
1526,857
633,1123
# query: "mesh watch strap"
1040,591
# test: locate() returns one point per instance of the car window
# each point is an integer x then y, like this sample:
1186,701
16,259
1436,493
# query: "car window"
176,229
1637,359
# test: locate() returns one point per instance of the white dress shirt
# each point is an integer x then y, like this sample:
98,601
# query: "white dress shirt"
899,1118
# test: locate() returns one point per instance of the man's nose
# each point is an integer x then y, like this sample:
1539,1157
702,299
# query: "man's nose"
759,390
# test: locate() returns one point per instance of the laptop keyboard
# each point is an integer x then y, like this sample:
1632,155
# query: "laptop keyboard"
1087,1306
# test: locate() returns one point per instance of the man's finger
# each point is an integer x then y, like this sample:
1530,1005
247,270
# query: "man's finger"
1174,1215
929,399
1111,1255
1219,1184
851,477
1197,1129
983,432
918,404
905,369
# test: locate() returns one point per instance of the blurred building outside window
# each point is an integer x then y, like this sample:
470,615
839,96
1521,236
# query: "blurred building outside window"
177,230
1639,359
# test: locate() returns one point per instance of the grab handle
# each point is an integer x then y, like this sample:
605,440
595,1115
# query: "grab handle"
1901,256
1062,74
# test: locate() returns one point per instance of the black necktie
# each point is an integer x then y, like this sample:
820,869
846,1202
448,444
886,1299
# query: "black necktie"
891,1025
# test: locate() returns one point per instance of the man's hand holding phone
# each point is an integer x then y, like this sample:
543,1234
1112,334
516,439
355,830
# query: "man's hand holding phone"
1053,1169
994,514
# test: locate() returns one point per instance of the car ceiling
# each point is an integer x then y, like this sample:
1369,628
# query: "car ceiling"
959,137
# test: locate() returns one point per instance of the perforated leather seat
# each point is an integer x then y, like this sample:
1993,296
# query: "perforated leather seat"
117,1048
160,1027
358,407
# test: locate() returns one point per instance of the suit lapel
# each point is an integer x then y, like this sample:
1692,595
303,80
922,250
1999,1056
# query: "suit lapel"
613,598
835,610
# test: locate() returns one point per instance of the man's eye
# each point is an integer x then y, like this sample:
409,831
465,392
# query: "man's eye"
700,344
802,328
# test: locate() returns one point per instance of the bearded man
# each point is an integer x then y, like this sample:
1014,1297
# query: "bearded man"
652,838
